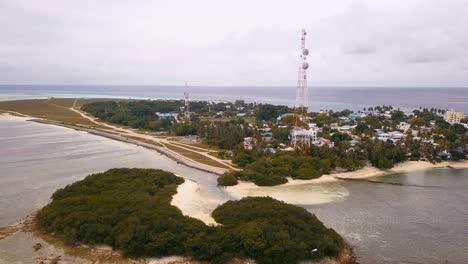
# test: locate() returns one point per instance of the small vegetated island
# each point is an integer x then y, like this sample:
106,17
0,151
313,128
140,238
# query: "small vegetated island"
130,210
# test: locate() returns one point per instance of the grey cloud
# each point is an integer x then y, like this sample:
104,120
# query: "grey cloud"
427,59
361,49
354,42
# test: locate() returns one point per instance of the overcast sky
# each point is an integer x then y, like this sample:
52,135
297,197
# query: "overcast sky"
352,43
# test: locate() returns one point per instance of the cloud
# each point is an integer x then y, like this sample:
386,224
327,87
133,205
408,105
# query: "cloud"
361,42
361,49
427,59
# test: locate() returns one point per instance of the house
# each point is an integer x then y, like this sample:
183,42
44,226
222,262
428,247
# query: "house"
393,135
396,135
334,125
426,129
354,142
249,143
445,155
267,136
346,128
383,136
355,116
320,142
270,150
344,119
165,115
404,126
454,117
303,136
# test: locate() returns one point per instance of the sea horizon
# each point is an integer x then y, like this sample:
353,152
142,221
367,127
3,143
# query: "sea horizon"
335,98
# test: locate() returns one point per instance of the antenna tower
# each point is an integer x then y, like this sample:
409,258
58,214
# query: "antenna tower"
302,92
186,104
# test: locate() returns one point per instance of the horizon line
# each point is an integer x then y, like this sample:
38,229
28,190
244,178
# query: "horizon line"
248,86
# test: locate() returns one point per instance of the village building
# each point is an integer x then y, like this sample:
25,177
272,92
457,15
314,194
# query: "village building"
454,117
249,143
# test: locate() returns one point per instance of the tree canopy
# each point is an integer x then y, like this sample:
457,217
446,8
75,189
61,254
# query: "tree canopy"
130,210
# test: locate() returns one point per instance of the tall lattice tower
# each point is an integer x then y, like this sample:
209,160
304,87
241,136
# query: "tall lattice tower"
186,104
302,92
302,134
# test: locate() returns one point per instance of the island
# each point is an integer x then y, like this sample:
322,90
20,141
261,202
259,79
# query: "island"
130,210
258,143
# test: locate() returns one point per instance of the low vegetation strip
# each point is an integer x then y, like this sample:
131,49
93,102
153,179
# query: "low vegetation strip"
190,147
196,156
47,109
130,210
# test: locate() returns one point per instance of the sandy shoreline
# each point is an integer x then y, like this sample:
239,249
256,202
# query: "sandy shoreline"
10,116
189,200
368,171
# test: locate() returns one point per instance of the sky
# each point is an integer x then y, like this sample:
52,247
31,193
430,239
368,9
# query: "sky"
409,43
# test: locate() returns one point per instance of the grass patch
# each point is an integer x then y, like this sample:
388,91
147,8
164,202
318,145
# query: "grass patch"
205,146
196,156
151,142
220,155
190,147
46,109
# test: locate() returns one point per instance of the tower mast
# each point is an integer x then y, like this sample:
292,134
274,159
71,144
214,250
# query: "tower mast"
302,91
186,104
302,134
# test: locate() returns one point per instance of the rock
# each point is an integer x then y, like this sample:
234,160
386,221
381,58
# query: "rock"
37,246
48,260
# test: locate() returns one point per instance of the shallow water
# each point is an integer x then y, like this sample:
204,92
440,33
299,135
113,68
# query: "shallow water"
384,223
36,159
405,224
316,193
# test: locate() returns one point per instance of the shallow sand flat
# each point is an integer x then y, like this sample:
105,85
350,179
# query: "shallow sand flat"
299,193
18,248
408,166
190,201
8,116
326,189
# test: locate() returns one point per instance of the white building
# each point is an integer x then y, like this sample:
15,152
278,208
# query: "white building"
249,143
346,128
303,136
320,142
404,126
393,136
454,117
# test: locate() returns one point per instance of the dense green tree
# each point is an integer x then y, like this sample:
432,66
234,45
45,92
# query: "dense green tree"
398,116
267,111
130,210
459,129
227,180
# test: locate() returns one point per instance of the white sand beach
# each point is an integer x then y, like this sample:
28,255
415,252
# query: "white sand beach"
316,191
189,200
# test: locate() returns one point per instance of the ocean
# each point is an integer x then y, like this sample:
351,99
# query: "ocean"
321,98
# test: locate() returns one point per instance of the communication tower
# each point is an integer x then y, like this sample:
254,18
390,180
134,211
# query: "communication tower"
302,134
186,104
302,91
